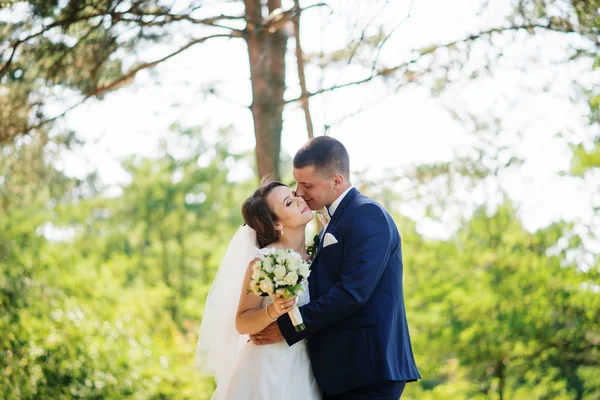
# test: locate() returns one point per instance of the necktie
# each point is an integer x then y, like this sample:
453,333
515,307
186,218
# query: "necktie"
323,216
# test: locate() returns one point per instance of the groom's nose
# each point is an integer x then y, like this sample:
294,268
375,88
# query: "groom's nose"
298,192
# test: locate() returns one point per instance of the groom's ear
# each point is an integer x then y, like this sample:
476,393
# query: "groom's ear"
338,180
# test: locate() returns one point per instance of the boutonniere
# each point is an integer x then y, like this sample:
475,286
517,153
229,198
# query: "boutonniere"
312,249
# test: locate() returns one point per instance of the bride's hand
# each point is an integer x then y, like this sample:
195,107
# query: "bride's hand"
282,306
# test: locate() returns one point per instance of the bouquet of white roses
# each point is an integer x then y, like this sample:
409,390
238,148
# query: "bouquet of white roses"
281,272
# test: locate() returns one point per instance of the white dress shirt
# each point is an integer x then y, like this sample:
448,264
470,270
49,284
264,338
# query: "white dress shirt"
331,209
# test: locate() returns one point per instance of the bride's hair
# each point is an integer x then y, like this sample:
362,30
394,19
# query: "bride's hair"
259,216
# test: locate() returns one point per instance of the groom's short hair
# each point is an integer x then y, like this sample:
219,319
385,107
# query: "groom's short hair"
326,154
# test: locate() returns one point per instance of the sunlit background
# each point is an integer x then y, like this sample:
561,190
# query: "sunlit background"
128,145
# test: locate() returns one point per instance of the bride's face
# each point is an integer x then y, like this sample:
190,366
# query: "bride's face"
291,211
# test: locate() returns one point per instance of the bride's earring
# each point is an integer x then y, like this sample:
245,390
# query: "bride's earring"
281,231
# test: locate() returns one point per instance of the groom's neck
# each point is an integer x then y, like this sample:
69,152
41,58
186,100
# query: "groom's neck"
340,191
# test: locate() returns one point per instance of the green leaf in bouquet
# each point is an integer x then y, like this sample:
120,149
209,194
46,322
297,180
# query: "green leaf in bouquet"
312,248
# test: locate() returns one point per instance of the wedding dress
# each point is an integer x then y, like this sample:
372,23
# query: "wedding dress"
243,370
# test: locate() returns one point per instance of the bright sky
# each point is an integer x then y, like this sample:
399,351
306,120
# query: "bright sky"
410,126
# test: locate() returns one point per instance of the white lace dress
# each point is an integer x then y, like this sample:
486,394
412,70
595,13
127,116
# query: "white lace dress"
273,372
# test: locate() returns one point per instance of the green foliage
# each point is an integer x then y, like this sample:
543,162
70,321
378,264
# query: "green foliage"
499,312
113,311
75,45
102,296
584,159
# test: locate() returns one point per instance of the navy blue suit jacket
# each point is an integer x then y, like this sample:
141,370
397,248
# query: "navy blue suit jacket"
356,322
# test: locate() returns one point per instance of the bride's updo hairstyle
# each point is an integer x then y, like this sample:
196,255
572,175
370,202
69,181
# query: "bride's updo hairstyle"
258,216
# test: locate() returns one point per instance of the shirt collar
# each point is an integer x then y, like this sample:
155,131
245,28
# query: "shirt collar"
331,209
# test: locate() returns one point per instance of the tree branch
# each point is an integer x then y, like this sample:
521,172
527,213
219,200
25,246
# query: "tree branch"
357,44
45,29
384,41
277,19
127,16
169,18
432,49
131,74
126,78
301,75
82,39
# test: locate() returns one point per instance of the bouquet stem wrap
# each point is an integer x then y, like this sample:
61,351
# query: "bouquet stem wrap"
296,318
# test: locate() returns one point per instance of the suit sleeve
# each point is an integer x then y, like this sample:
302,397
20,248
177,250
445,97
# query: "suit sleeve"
366,254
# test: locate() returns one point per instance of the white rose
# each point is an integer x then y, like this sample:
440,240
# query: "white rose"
256,266
279,271
291,278
281,291
256,274
293,265
255,288
268,265
304,270
267,286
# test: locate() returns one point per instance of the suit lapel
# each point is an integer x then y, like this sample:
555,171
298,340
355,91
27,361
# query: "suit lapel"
346,201
313,281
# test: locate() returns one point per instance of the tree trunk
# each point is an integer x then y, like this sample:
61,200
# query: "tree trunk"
500,373
142,267
301,75
266,50
183,278
166,276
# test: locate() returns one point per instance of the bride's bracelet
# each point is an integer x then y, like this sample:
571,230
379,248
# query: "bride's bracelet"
268,316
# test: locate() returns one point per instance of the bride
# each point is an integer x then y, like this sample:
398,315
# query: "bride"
275,218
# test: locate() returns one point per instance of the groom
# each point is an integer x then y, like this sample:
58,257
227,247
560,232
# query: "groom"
356,321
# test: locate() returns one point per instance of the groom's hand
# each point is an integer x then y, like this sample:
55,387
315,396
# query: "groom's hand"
271,334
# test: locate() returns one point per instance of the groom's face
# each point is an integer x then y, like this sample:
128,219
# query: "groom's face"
314,187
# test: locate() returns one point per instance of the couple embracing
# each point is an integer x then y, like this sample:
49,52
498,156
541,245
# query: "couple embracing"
356,344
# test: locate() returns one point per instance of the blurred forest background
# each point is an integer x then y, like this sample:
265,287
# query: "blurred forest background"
102,286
